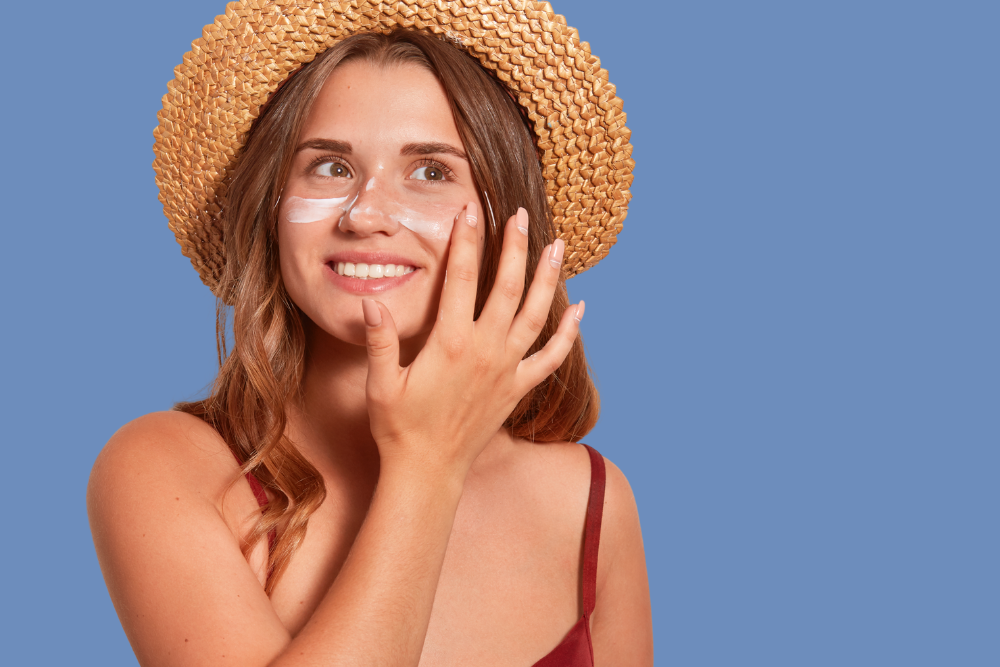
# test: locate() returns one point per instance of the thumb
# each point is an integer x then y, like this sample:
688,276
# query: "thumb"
383,345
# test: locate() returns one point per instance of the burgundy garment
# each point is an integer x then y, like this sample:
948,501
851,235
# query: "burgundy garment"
258,493
576,648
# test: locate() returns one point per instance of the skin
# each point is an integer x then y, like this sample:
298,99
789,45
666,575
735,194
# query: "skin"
442,539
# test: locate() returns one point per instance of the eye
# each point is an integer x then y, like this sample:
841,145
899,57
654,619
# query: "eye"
333,170
428,173
431,170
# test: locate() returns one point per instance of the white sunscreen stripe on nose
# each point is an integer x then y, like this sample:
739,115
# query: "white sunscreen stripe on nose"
371,184
300,209
361,210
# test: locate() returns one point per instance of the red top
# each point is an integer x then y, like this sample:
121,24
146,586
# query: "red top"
576,648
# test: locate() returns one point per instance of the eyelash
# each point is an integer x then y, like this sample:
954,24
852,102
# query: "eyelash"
449,175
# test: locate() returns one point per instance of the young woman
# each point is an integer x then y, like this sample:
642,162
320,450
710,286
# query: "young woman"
386,471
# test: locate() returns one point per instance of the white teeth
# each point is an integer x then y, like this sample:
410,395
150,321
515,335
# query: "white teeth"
372,271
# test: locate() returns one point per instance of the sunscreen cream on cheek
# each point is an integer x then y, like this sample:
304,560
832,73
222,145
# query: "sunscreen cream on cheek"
436,227
299,209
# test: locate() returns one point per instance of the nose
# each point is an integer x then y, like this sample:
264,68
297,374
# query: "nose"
371,212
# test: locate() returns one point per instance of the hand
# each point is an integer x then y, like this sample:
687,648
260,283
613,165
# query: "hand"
438,413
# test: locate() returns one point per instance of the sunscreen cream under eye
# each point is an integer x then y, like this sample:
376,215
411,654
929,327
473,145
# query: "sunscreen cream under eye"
435,222
300,209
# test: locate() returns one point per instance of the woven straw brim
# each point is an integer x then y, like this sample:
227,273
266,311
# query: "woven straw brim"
245,54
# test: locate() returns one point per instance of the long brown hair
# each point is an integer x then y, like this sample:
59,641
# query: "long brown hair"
264,370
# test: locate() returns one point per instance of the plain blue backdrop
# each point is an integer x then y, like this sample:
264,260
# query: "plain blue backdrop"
795,337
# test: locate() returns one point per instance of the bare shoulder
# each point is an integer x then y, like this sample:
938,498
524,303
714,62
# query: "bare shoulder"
622,626
562,466
165,468
620,527
565,469
160,450
167,512
160,435
557,477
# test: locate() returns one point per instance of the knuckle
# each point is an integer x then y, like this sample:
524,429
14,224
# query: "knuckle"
545,366
534,323
455,347
379,347
464,274
510,289
483,363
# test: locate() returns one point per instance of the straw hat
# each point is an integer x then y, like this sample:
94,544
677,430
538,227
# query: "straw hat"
245,54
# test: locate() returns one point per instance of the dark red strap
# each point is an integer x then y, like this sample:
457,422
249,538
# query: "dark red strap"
258,490
592,530
258,493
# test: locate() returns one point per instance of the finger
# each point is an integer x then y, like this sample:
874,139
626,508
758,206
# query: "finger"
543,363
508,287
383,349
458,297
530,321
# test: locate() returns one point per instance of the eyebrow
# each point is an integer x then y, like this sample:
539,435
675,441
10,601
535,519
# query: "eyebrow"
431,148
331,145
426,148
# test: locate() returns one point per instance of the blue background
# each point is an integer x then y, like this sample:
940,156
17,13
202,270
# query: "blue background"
795,338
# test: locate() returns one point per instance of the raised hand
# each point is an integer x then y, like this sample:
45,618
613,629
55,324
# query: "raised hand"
438,413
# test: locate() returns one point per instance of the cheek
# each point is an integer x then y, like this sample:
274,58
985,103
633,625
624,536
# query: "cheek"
294,256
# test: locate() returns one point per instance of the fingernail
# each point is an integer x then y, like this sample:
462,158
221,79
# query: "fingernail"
580,307
373,316
472,214
522,221
556,253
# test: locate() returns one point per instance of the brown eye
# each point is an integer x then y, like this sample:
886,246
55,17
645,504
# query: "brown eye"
428,174
333,169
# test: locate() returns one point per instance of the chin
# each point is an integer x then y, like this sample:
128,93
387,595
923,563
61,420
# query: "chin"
353,332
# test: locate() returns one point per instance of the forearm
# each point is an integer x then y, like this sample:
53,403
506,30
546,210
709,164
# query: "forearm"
377,610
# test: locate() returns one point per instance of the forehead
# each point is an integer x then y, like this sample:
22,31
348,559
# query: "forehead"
362,102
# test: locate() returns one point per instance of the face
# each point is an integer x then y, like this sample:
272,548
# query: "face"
378,178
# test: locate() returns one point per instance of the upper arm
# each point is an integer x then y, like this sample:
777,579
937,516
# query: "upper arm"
621,626
173,565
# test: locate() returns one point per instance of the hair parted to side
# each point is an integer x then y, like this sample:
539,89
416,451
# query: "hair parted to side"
265,367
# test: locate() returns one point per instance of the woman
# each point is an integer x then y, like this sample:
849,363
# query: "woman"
403,409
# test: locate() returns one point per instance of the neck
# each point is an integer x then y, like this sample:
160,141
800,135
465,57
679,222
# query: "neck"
329,421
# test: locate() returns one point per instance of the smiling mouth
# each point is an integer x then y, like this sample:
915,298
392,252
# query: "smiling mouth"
370,271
